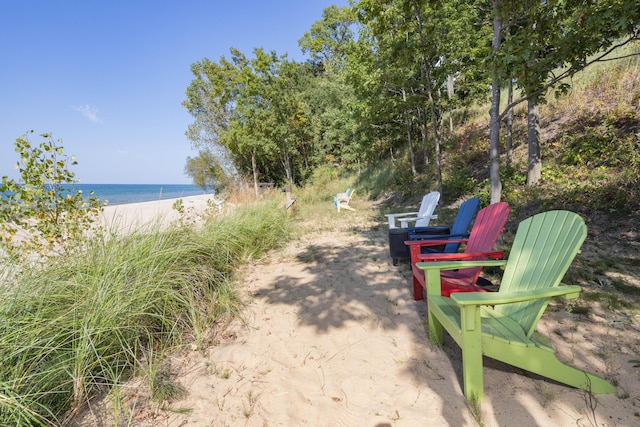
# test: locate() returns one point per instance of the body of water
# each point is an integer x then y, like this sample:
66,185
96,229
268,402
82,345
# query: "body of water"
119,194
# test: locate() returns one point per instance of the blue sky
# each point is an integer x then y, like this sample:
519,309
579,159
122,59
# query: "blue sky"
108,77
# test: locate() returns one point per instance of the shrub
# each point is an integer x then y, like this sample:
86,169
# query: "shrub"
42,211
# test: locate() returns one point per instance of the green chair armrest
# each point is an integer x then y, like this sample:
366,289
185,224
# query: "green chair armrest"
495,298
461,256
454,265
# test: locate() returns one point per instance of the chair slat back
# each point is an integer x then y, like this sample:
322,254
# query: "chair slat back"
350,196
465,215
485,232
428,205
543,249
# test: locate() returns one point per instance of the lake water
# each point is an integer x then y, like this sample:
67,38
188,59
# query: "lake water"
118,194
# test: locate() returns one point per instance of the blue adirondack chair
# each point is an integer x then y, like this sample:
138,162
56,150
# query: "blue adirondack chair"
458,230
501,325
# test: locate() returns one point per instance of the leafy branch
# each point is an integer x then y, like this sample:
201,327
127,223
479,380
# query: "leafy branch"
42,211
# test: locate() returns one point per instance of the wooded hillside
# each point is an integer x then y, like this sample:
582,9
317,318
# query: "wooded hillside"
395,81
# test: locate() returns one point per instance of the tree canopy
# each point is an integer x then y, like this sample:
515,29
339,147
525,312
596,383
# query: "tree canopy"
385,77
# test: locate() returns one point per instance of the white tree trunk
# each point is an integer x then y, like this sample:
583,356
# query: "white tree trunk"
494,113
534,163
254,166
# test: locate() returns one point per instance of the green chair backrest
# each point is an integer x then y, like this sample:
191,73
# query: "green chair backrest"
542,251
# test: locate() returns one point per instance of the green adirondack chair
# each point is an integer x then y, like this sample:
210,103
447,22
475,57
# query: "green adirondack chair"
501,325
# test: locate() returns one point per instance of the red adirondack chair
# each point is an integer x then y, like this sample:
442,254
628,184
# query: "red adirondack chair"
485,231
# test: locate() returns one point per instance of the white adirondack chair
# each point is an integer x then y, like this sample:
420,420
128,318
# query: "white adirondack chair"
420,218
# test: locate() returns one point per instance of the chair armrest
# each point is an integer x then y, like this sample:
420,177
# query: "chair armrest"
455,265
423,237
432,271
450,238
495,298
442,229
459,256
392,217
405,221
433,242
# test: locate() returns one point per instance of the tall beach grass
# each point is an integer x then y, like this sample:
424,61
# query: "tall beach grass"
85,323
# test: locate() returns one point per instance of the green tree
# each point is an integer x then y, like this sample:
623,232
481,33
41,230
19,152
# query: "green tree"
548,42
207,172
328,39
229,112
42,211
408,53
258,110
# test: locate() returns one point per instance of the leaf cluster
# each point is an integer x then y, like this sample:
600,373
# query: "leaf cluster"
276,119
42,211
207,171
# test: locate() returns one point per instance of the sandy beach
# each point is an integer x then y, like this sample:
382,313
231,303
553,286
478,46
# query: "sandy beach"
331,336
159,212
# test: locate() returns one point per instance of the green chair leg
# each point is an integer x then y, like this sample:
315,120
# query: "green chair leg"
471,345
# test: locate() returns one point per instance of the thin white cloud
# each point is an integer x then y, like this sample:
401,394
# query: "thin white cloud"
89,111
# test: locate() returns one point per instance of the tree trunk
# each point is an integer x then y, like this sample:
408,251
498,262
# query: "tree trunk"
414,172
426,69
408,125
434,124
510,112
534,163
509,123
286,163
494,113
254,167
424,133
450,92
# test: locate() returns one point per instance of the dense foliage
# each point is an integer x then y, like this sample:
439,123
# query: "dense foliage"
391,80
207,172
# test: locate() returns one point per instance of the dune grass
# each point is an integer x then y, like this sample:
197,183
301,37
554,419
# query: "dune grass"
85,323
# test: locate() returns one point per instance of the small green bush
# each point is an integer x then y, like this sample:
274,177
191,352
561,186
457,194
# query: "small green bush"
41,211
